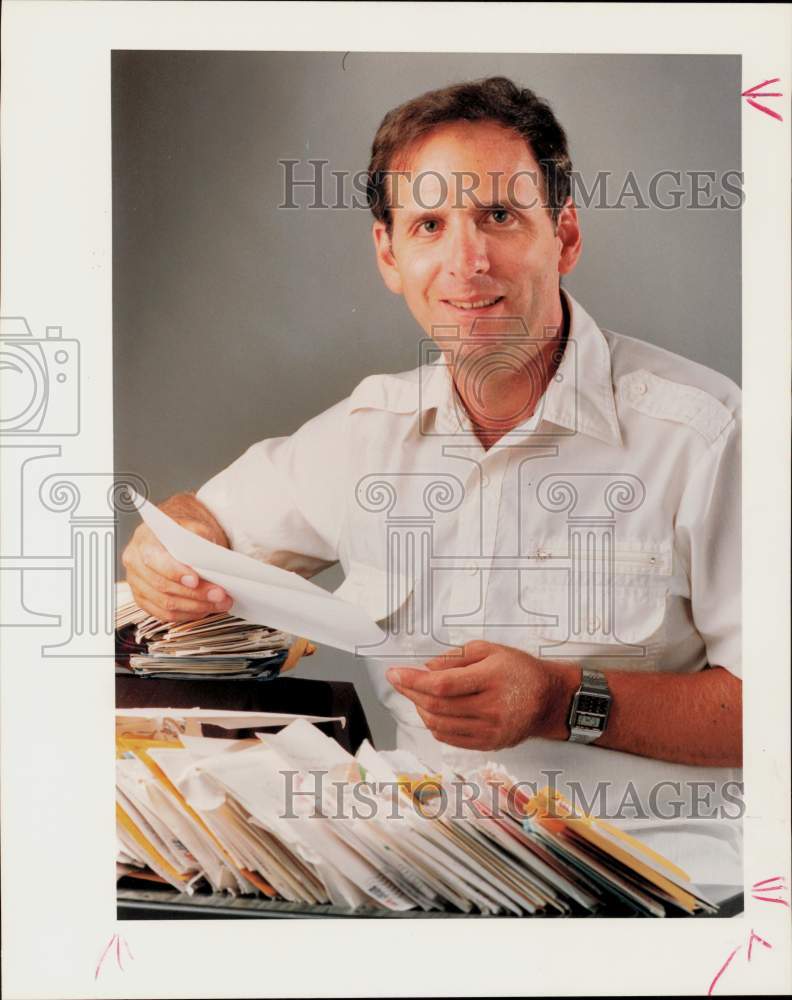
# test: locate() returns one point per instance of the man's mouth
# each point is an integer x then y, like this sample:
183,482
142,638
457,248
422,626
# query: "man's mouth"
474,305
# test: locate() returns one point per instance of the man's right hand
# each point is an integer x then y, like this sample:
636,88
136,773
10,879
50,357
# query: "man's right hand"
166,588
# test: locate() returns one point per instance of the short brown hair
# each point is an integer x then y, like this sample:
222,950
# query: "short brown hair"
495,99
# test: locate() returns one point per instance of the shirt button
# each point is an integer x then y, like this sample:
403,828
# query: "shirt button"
485,479
472,570
639,389
595,623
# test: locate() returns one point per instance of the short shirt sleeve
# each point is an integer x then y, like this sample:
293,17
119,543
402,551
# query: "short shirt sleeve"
708,533
282,501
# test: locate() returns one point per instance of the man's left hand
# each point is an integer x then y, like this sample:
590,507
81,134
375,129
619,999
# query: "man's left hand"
488,697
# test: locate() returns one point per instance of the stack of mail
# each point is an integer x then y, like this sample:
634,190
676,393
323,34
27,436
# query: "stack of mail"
292,815
219,645
265,594
162,836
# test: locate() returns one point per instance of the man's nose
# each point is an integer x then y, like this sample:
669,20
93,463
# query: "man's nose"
467,255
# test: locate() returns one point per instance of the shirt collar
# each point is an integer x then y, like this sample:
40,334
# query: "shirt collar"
578,398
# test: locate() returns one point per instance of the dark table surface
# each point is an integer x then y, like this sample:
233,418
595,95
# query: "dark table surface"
165,903
283,694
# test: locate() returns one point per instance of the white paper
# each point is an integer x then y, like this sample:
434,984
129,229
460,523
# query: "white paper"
264,594
307,747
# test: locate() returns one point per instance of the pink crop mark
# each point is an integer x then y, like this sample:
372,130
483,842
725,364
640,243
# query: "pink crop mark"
776,884
755,937
116,940
756,91
775,878
721,970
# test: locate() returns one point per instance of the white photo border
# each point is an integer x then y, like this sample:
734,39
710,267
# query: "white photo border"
58,819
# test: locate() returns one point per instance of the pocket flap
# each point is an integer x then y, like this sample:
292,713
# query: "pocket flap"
629,616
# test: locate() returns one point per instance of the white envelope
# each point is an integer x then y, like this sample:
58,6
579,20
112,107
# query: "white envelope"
264,594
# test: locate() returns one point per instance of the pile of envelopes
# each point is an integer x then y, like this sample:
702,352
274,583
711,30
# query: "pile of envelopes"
292,816
220,645
263,593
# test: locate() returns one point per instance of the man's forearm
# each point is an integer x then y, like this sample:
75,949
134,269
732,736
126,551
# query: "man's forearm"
187,507
683,718
485,696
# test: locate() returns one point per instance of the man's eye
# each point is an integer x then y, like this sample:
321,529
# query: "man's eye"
429,226
500,215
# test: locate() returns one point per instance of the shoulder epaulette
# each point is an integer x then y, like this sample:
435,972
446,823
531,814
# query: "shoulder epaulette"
666,400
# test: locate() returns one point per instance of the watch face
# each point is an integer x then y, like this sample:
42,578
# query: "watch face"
591,703
589,715
589,721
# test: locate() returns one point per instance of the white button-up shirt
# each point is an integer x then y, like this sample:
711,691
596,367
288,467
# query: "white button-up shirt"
604,529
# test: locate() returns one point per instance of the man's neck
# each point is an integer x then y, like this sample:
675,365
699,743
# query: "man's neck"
507,395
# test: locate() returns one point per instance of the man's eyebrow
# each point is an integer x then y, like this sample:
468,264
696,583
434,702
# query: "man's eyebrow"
505,200
491,206
411,215
415,216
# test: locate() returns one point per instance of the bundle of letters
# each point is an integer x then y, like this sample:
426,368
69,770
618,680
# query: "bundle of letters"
292,816
217,646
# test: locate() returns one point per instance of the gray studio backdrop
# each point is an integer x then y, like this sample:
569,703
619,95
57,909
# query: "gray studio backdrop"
234,320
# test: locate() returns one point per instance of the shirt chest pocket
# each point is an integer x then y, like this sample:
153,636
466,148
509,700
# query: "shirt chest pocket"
608,609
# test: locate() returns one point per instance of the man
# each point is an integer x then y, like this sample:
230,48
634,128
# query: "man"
542,498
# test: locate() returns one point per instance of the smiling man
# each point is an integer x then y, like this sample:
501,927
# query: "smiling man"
488,249
544,516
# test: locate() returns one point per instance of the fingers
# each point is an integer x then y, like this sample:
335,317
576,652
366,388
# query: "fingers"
441,683
470,743
172,607
465,706
470,734
462,656
166,588
205,593
155,557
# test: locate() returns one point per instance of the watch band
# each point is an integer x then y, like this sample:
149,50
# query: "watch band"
591,703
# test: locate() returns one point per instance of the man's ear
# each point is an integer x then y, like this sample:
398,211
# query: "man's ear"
386,262
569,236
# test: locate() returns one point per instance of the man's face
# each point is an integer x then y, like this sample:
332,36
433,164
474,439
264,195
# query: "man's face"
471,238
